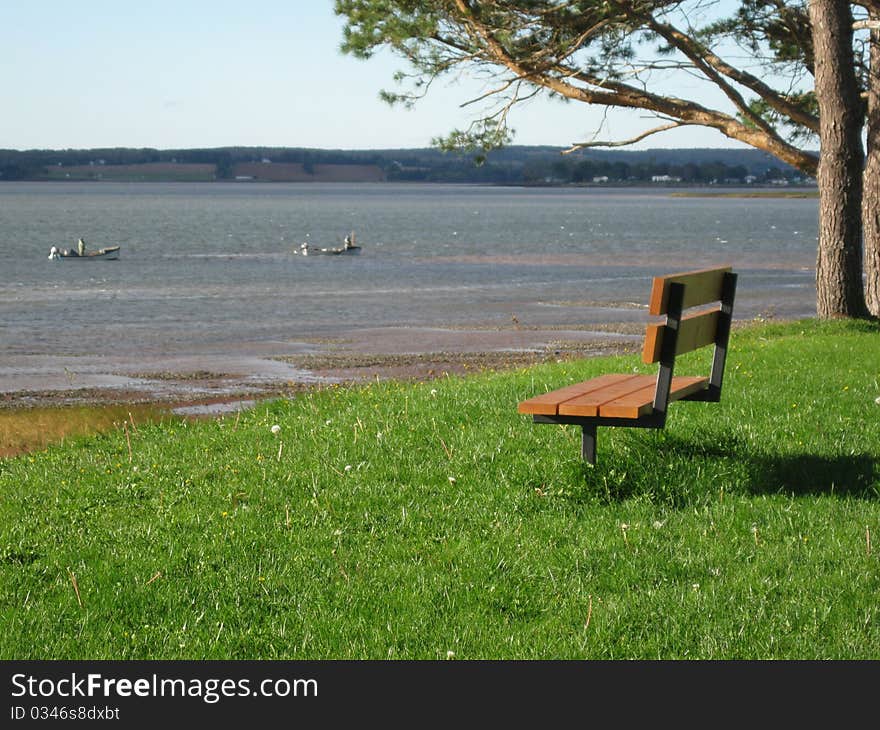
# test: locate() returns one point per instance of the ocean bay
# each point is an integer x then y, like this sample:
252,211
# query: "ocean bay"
207,278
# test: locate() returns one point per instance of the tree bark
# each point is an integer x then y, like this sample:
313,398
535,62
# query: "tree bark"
839,287
871,179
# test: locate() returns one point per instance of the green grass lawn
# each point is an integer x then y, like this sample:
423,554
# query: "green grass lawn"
430,520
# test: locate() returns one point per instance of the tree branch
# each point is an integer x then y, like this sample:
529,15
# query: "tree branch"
699,54
624,143
607,92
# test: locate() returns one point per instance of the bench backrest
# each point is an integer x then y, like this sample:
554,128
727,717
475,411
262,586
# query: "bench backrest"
681,333
697,329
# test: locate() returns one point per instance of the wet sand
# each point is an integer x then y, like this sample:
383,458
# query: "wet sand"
214,380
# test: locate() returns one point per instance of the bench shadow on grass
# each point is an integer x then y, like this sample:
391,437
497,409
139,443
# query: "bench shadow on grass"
854,475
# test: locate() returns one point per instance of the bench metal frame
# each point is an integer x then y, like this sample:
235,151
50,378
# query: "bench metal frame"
657,418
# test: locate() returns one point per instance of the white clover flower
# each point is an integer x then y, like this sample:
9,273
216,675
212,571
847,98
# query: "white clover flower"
450,654
348,467
433,392
452,480
877,400
276,429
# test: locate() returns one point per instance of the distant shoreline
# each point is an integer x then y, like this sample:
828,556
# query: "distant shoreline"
763,193
674,190
512,165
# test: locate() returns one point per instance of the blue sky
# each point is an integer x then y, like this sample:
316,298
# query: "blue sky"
192,73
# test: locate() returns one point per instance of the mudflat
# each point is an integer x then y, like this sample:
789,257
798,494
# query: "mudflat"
266,369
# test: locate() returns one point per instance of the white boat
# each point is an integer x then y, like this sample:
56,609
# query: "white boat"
348,248
108,253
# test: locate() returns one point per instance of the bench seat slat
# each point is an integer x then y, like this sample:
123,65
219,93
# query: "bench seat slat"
609,396
631,405
590,403
641,402
548,404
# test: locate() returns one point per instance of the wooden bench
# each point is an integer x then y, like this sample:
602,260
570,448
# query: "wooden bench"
641,401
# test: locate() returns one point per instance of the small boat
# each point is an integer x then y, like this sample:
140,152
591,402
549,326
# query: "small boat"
109,253
348,248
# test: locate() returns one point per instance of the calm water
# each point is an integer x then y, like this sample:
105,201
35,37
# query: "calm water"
207,265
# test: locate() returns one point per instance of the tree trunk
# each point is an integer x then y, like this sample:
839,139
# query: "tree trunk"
839,287
871,180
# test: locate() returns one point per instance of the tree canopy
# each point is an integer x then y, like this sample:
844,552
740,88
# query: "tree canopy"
781,67
613,54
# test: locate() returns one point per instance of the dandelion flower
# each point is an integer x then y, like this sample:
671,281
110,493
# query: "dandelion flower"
276,429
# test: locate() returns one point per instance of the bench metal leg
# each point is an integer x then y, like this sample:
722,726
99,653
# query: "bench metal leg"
588,443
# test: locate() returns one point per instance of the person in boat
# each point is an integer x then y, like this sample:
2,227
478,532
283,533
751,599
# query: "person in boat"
348,241
80,247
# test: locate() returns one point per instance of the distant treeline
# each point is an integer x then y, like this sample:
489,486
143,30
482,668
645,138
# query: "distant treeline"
516,165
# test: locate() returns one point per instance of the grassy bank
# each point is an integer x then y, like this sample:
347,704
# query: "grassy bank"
414,520
29,429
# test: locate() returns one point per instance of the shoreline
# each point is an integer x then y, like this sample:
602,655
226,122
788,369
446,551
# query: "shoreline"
33,420
257,371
